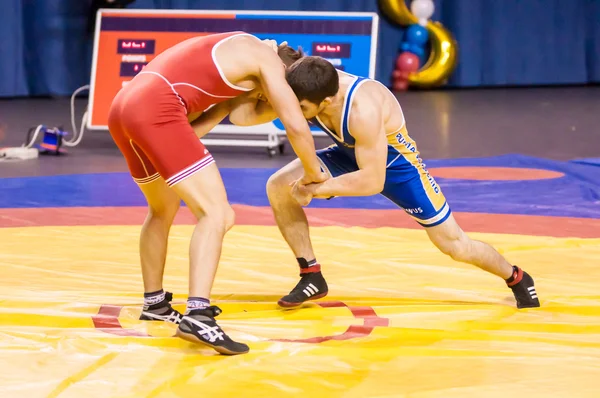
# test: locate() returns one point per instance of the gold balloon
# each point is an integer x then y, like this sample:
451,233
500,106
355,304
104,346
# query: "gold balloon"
398,12
443,57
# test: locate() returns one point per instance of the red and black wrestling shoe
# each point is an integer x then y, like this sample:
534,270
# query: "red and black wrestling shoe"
312,286
523,288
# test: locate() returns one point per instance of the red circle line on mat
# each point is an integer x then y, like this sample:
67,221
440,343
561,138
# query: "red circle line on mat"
107,321
494,173
565,227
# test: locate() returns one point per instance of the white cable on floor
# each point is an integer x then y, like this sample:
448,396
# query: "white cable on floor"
77,135
35,136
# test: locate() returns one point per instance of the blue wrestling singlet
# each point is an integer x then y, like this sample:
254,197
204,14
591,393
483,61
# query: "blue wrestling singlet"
407,182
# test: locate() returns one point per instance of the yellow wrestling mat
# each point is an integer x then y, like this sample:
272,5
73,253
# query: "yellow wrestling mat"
402,320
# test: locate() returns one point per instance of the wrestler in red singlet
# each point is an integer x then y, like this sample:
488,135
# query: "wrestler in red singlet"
148,117
148,120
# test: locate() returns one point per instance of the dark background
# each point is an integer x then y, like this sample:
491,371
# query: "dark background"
45,45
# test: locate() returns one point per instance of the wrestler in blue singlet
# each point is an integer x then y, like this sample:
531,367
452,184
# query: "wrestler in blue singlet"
407,183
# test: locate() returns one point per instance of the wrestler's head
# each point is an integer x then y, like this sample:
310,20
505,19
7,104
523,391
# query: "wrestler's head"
288,55
315,82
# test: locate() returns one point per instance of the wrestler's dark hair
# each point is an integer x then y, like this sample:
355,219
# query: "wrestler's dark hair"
288,55
313,79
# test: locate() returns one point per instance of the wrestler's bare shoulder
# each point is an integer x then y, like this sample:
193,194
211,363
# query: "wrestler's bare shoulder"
242,41
242,47
374,101
367,100
237,57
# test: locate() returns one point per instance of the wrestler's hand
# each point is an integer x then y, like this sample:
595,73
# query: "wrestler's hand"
313,178
257,93
303,194
273,44
261,97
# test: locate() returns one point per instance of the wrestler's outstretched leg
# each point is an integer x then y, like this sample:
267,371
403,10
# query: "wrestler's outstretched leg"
453,241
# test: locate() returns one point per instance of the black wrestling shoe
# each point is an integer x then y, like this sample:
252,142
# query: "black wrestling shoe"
199,326
312,286
523,288
161,311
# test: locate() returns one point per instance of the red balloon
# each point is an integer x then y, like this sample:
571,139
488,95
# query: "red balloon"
407,62
400,75
400,85
396,74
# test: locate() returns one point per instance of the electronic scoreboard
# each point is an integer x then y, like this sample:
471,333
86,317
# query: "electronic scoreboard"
126,40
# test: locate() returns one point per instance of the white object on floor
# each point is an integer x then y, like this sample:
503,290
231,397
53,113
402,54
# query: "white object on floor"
18,153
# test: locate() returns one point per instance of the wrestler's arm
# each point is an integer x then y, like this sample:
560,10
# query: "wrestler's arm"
251,110
207,121
244,110
366,126
286,106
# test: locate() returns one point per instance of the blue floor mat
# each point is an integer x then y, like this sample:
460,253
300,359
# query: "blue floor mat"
576,194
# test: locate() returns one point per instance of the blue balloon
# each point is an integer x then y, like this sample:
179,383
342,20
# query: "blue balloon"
417,35
412,48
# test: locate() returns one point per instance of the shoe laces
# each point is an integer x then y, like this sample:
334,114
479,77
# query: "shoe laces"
212,333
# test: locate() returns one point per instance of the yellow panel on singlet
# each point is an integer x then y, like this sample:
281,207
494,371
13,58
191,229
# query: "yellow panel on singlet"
402,320
406,147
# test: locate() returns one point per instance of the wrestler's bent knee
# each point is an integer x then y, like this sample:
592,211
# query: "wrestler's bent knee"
229,218
274,182
278,182
220,216
163,210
